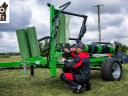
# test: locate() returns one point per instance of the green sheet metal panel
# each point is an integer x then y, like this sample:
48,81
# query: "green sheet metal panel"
33,42
67,34
62,29
23,43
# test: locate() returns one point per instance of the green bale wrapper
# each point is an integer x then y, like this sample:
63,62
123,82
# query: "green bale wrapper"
87,48
111,49
99,48
23,43
33,42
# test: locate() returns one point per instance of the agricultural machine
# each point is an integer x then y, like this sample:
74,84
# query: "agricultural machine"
35,53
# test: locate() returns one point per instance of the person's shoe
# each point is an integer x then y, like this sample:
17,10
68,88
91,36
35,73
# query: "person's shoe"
79,89
87,86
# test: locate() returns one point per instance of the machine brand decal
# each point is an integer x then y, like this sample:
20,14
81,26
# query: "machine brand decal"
4,11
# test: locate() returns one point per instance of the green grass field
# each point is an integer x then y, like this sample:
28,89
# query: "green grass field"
16,83
12,58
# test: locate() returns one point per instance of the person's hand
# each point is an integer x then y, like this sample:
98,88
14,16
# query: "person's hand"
65,49
63,59
72,49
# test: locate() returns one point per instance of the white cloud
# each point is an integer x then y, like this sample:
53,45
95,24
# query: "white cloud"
91,22
111,20
20,16
114,20
8,42
40,19
74,26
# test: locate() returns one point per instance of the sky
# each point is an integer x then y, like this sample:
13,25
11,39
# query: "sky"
26,13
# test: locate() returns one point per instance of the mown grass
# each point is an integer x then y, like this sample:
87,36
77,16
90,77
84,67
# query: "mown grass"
16,83
11,58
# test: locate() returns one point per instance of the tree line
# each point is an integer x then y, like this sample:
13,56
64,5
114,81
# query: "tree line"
10,53
122,48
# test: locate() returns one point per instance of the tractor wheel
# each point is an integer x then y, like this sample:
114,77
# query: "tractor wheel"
111,70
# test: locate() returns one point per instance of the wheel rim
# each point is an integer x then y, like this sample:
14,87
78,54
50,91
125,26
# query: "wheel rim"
116,70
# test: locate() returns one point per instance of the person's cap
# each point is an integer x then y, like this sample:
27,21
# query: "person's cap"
81,45
73,46
67,45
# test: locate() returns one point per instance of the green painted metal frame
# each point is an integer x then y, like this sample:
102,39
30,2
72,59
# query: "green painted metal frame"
30,61
10,64
52,55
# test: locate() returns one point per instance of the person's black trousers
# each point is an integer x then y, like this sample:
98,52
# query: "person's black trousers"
71,83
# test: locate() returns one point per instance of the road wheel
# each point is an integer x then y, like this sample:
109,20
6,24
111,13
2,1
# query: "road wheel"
111,70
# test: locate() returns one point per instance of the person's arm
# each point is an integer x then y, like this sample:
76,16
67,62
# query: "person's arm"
76,63
73,52
66,53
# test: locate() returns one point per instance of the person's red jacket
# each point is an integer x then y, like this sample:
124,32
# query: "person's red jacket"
80,65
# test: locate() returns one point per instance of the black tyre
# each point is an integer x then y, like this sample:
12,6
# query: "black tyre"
111,70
